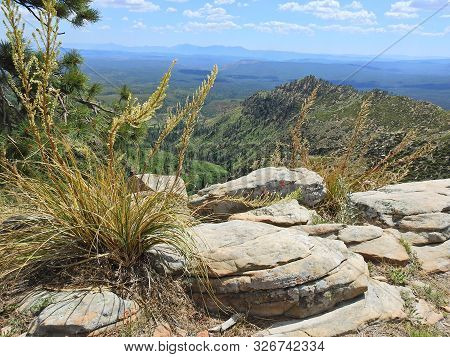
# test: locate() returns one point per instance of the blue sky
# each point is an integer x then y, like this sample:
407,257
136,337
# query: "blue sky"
317,26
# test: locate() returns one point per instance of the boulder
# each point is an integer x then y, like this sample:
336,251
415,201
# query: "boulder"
434,259
418,209
157,183
282,214
223,199
70,313
381,302
268,271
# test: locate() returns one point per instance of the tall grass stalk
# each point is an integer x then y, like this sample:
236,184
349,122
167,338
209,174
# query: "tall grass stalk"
80,216
349,170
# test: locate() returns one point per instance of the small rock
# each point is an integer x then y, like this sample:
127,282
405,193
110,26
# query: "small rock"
434,259
282,214
203,333
447,308
162,330
79,313
157,183
426,313
380,278
386,248
359,234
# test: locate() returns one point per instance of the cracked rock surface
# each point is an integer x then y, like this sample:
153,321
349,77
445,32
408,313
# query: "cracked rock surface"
270,271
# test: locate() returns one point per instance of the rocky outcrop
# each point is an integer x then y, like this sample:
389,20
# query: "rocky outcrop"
157,183
283,214
381,302
221,198
268,271
70,313
420,210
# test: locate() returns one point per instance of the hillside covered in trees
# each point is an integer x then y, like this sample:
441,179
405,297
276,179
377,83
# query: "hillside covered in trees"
246,136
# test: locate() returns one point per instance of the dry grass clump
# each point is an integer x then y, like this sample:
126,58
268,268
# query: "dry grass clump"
84,217
349,170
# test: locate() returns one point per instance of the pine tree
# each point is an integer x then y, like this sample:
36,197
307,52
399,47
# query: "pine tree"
71,79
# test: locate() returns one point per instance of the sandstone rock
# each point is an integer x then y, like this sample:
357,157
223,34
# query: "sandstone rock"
324,230
372,242
282,214
434,259
157,183
380,278
381,302
166,260
203,333
417,207
260,183
79,313
385,248
264,270
162,330
358,234
426,314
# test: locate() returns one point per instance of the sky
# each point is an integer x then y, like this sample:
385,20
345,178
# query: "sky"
364,27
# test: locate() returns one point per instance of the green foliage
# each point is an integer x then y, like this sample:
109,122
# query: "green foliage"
414,330
397,276
87,211
433,294
252,131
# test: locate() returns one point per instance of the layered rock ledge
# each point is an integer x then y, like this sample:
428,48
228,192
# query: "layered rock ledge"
420,210
269,271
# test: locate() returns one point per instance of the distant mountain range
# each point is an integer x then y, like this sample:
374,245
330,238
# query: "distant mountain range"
242,71
233,52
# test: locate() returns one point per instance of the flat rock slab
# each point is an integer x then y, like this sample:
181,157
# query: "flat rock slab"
418,208
265,270
381,302
75,313
283,214
372,242
434,259
386,248
261,183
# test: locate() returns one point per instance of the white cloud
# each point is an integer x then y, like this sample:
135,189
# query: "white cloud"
349,28
131,5
210,26
279,27
171,9
331,10
224,2
356,5
139,25
209,13
104,27
163,29
403,9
